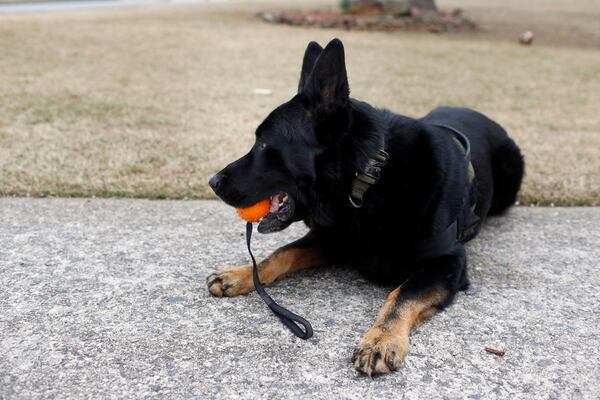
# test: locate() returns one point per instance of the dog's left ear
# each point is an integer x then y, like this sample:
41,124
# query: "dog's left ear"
313,51
327,84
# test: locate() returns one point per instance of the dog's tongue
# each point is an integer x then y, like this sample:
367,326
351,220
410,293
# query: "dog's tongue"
276,202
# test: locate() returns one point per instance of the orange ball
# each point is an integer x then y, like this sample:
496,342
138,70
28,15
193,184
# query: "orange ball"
256,212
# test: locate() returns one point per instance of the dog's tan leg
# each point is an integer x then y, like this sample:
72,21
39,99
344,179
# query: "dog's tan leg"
429,289
385,345
296,256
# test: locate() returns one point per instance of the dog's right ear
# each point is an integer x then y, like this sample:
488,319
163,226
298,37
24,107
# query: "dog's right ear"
313,51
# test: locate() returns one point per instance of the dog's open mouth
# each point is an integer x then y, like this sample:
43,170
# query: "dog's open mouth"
280,214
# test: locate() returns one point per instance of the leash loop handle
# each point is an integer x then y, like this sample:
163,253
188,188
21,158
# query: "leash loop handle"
294,322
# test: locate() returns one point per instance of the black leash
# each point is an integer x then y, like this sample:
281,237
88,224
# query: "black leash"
289,319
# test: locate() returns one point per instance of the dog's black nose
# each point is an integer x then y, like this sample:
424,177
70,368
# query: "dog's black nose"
215,181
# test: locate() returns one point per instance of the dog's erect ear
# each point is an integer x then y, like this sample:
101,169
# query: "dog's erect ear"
313,51
327,84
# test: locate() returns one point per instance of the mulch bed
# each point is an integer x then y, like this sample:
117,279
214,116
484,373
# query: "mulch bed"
416,20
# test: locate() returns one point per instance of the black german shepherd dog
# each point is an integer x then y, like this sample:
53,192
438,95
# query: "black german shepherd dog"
309,157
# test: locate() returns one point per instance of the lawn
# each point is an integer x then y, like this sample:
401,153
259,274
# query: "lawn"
150,102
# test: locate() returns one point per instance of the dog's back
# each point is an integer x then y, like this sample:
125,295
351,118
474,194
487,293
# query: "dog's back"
497,160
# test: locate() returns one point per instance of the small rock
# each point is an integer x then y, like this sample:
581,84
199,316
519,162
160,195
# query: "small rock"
526,37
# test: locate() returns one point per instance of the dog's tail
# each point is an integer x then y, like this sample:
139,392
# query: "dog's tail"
508,169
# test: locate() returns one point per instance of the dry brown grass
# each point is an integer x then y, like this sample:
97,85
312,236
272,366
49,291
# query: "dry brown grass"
148,103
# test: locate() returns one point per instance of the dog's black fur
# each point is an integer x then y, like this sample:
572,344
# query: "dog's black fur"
312,146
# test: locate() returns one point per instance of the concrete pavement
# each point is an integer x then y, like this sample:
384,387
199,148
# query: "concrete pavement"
107,298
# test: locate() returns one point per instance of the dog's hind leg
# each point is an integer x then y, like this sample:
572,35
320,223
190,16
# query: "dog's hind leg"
301,254
423,294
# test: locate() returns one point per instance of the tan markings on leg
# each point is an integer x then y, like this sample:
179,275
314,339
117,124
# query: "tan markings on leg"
238,280
385,345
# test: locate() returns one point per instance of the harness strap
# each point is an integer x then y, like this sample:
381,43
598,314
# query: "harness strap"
464,227
459,137
465,145
438,245
293,321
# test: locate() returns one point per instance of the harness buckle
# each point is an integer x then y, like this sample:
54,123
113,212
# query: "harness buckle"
355,203
372,170
374,165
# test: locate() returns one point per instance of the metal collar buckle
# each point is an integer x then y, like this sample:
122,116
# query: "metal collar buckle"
367,177
374,165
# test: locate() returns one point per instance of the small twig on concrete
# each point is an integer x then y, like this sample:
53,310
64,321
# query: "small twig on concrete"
497,352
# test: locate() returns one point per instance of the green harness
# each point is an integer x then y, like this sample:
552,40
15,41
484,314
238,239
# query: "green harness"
461,230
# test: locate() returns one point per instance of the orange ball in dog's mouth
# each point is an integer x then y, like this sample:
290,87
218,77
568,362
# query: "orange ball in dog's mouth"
274,213
256,212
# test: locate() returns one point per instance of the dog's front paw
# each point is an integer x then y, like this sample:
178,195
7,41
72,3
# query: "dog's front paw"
230,282
380,352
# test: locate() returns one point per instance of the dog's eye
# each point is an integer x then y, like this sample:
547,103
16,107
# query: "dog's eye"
261,146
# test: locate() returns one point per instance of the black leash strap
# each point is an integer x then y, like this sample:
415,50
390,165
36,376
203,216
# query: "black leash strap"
289,319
